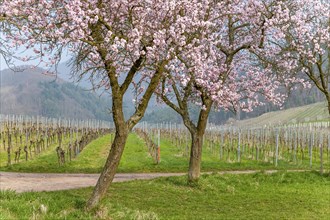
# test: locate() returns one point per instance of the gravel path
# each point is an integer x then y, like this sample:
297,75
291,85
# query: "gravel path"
24,182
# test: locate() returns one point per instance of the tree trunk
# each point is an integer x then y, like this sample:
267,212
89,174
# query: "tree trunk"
195,157
110,167
197,135
328,100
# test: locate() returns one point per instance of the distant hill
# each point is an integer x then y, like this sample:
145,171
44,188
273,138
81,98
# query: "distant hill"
313,112
30,92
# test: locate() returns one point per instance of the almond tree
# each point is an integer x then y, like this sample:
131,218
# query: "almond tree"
114,42
218,67
300,40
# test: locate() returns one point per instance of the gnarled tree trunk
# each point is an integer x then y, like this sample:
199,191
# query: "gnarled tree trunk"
327,95
197,136
195,157
122,127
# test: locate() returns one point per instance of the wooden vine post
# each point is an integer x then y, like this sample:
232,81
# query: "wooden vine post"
321,153
239,147
158,148
276,150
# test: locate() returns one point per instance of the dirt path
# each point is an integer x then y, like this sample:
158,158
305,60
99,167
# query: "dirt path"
23,182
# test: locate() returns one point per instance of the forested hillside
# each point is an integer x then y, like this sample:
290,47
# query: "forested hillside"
30,92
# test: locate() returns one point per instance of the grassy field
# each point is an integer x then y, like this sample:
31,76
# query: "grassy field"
250,196
137,159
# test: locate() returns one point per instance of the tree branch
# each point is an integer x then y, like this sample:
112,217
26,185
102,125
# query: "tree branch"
131,74
139,112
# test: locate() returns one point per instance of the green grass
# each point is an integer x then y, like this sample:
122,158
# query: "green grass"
255,196
137,159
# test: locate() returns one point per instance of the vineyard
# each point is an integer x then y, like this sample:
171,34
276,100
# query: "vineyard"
24,138
305,145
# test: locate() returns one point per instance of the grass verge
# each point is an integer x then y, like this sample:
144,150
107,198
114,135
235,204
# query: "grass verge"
250,196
